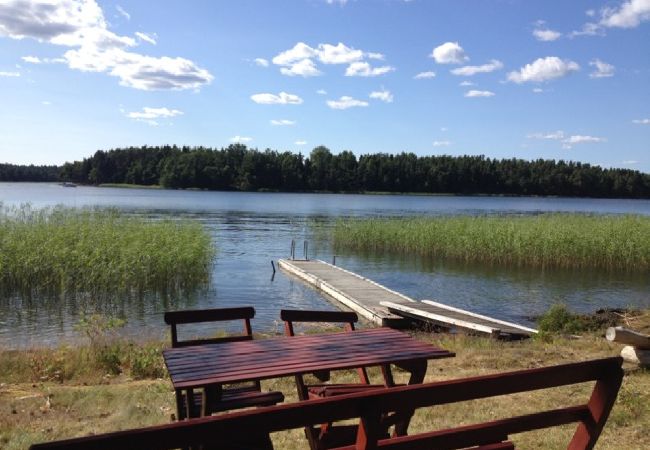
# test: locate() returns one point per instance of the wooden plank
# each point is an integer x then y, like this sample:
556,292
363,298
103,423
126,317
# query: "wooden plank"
359,294
454,317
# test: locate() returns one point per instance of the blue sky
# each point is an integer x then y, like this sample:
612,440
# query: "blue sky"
518,78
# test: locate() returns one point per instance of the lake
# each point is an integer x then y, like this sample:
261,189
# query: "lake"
252,229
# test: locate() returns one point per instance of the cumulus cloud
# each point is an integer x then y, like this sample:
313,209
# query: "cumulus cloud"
449,53
154,113
543,69
9,74
261,62
364,69
303,68
301,60
321,92
80,24
281,99
467,83
37,60
468,71
300,143
282,122
240,139
641,121
629,14
346,102
384,95
602,69
441,143
546,35
425,75
475,93
150,38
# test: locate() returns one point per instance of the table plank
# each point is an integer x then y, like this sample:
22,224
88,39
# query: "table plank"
277,357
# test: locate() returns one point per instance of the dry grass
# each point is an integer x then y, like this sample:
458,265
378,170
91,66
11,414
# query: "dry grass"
77,408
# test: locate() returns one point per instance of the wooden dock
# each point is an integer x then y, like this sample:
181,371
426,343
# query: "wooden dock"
386,307
360,294
456,318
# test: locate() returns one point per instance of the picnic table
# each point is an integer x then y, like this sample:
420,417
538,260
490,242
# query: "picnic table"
206,366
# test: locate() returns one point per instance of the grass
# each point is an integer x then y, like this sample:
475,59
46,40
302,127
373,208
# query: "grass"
35,407
616,243
61,250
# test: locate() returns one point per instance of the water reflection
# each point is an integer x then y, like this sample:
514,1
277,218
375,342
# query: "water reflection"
251,229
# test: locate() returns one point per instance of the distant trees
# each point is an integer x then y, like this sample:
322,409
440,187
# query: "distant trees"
12,172
237,167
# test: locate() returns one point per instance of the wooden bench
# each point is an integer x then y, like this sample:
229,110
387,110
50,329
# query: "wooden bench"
227,431
191,404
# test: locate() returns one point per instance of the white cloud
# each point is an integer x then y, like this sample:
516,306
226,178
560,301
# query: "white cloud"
122,12
340,54
300,143
441,143
300,60
299,52
555,135
629,15
303,68
240,139
449,53
538,90
363,69
154,113
543,69
80,24
150,38
261,62
346,102
336,2
9,74
580,139
384,95
321,92
282,122
475,93
425,75
546,35
603,70
37,60
467,83
468,71
630,162
589,29
641,121
281,99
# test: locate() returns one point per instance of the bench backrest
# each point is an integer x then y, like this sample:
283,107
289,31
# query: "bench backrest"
348,319
245,314
223,431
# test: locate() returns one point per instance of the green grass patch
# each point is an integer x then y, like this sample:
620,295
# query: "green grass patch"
62,250
547,240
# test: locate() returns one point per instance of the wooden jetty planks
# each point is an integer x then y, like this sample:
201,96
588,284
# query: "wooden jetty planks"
455,317
358,293
387,307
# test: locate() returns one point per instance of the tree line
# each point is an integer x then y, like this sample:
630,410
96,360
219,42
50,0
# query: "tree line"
237,167
13,172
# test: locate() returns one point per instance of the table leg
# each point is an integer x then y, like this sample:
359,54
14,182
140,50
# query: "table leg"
418,370
211,394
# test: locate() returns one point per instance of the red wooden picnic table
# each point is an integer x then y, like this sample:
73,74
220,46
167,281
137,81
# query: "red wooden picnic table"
208,365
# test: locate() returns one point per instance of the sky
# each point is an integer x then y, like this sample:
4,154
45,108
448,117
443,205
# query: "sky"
529,79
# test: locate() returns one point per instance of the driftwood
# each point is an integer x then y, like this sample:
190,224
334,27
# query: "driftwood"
628,337
636,355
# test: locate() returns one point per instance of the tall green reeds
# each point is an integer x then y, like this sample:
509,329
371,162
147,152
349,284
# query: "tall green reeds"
63,250
548,240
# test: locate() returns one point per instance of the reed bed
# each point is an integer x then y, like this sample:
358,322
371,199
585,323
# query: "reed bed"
62,250
547,240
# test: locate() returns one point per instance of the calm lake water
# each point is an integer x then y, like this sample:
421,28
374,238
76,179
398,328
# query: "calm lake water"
253,229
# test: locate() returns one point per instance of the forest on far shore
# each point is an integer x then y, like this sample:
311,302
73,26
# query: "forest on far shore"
237,167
